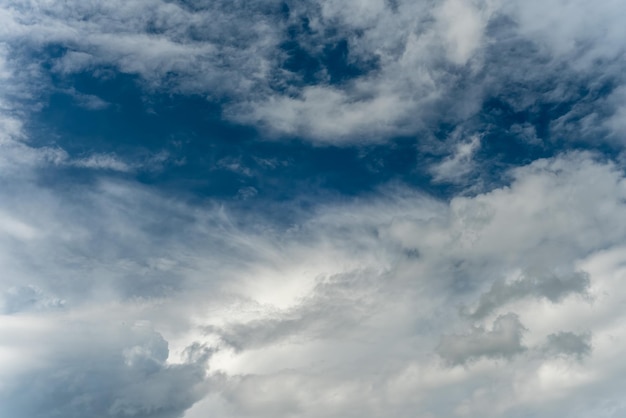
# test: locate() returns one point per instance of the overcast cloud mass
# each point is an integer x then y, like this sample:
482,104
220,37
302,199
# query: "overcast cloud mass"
374,208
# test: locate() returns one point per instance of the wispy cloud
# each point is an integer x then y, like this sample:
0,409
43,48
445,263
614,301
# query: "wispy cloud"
458,167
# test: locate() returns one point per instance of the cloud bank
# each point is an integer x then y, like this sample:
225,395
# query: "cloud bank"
131,304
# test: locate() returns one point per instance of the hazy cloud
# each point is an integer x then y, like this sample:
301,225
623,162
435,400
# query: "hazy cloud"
26,298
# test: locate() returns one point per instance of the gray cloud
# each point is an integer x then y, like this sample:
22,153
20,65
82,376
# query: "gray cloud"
25,298
549,286
569,344
335,308
504,340
113,371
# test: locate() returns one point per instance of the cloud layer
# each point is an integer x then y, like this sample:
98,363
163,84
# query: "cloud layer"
131,304
498,293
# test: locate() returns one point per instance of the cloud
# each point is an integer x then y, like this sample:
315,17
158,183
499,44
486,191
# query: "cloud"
459,166
399,68
569,344
355,297
552,287
120,299
503,341
396,312
88,101
102,162
24,298
462,24
114,370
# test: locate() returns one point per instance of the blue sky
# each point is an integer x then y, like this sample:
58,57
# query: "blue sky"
305,209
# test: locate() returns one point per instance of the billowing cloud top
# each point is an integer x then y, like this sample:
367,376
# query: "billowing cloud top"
312,209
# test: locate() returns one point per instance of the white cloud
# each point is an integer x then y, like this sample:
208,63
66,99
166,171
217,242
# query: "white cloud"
459,166
462,24
353,302
88,101
102,161
429,62
120,301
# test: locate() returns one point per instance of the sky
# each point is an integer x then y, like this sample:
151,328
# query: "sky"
375,208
